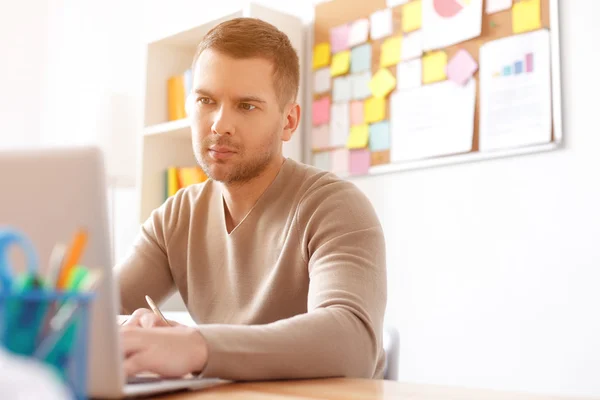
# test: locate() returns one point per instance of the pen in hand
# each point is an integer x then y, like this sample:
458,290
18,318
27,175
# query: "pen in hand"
156,311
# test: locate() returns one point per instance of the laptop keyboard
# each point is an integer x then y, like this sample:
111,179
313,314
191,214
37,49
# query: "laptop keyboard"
144,379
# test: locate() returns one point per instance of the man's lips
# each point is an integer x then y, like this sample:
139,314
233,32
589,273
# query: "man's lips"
220,152
221,149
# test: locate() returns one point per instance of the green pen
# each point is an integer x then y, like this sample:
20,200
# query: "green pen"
77,278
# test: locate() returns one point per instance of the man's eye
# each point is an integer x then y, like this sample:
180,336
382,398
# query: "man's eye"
247,107
204,100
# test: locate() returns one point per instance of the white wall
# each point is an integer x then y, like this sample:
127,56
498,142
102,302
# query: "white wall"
94,81
166,18
494,267
23,26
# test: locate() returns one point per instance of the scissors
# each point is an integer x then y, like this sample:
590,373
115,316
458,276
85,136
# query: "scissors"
22,309
11,237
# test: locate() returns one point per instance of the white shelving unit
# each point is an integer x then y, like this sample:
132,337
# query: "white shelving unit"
165,143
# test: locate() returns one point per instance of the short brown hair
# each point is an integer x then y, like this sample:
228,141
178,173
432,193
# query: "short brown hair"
252,37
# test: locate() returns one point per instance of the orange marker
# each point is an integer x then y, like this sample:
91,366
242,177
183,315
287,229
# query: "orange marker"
72,258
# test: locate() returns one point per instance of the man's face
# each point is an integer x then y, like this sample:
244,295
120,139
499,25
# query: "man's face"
237,123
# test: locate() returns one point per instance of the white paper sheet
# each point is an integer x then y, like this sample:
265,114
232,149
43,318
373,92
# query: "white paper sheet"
515,91
433,120
342,90
394,3
409,74
359,32
339,127
494,6
447,22
412,45
360,85
322,82
381,24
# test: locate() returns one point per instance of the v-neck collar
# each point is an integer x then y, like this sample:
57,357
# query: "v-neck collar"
286,169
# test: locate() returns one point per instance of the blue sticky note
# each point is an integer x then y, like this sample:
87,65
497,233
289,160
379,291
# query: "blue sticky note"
379,136
361,58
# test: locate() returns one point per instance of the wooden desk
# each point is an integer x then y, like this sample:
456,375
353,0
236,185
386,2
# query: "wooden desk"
346,389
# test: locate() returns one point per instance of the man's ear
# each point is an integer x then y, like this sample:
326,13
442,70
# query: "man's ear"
291,123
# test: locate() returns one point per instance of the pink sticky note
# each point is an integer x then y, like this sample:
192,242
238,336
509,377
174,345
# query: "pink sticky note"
360,161
339,161
338,37
320,111
357,113
462,67
320,137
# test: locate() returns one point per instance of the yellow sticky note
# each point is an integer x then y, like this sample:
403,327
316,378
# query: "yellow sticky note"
374,109
321,55
526,16
340,64
434,66
411,16
382,83
359,137
390,51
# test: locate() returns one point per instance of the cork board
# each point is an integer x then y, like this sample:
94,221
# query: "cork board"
334,13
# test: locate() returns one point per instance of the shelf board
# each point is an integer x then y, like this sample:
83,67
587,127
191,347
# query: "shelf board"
459,159
171,129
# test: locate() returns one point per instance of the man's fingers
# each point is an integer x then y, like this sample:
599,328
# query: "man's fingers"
136,317
144,318
168,352
136,363
132,340
150,321
131,321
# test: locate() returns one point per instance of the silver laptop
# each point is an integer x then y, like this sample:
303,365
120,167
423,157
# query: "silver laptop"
48,194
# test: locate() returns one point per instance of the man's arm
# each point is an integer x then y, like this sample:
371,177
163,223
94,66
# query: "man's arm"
341,334
145,270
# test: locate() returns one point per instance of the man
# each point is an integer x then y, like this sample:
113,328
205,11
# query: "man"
281,265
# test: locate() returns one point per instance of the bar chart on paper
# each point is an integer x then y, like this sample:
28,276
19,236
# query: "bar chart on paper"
522,66
515,89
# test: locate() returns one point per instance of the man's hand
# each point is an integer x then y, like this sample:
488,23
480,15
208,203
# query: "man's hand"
144,318
169,352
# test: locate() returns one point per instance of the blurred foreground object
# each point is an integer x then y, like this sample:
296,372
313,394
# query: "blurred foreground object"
26,379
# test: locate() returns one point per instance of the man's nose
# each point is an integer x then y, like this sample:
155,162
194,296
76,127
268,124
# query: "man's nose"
224,122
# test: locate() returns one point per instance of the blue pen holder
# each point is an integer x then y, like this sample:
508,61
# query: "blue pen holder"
51,327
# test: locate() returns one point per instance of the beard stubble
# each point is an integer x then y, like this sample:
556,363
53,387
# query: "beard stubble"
245,169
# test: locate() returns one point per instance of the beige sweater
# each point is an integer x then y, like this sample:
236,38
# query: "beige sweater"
296,290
